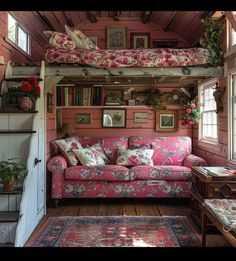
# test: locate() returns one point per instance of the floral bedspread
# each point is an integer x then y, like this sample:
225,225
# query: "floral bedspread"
159,57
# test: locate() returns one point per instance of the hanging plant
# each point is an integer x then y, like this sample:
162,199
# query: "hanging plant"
212,37
192,112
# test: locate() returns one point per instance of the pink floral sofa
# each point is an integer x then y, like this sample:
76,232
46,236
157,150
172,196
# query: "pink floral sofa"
167,176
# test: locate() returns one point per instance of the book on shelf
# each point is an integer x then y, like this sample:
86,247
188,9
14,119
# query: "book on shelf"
220,171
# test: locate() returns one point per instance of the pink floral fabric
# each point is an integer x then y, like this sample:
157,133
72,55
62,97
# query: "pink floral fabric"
167,150
87,141
111,145
120,189
193,160
224,210
105,172
160,173
140,156
60,40
160,57
65,146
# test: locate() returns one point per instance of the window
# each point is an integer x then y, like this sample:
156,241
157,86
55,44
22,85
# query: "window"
208,128
233,37
17,34
232,117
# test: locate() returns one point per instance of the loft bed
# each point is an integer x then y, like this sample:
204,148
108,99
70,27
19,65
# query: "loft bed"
152,58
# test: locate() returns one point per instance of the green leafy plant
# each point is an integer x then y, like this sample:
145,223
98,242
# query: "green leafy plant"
154,98
12,172
192,112
212,37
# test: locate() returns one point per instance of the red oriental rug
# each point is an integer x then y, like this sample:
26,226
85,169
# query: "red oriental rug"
116,231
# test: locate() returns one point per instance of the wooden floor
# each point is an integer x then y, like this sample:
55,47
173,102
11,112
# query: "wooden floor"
130,207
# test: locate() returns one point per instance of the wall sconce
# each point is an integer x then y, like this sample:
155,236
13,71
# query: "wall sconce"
218,94
2,62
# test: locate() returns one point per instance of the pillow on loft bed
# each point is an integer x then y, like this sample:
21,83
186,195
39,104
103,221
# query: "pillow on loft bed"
82,41
60,40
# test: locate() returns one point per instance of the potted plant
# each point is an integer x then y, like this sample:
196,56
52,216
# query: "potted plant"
11,173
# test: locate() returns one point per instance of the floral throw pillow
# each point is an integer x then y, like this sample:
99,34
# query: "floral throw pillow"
134,157
82,41
60,40
90,156
66,146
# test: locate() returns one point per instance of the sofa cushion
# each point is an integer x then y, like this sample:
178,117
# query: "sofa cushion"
87,141
160,173
134,157
111,144
167,150
66,146
105,172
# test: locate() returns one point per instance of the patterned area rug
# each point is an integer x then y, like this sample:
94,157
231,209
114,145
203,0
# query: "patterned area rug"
115,231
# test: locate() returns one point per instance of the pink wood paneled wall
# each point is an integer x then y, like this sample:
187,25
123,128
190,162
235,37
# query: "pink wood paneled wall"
132,128
132,25
10,52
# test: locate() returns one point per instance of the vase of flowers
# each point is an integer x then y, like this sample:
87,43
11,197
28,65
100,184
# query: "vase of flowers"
29,91
192,112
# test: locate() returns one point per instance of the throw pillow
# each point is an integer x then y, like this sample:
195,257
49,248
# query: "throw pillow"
60,40
134,157
66,146
90,156
82,42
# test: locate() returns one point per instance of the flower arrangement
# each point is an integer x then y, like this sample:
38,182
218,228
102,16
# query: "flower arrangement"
192,112
30,89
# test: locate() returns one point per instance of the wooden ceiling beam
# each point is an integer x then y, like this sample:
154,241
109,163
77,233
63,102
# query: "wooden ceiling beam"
92,16
45,20
174,21
146,16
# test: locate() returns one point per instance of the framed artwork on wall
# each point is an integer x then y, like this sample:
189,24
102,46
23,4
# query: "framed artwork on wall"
141,117
84,118
49,102
114,118
166,120
139,40
113,96
116,37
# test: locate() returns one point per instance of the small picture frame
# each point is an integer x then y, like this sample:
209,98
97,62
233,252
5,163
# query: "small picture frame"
94,39
116,37
140,98
131,102
49,102
84,118
166,120
114,118
139,40
141,117
113,97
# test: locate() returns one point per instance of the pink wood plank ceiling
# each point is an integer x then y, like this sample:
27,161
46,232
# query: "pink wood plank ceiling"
186,24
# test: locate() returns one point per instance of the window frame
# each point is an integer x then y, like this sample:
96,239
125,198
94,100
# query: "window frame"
230,116
201,88
16,43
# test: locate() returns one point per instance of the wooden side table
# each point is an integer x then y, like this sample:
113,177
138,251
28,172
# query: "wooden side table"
206,186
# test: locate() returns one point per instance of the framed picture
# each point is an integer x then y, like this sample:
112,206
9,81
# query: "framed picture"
140,98
94,39
83,118
141,117
113,97
114,118
166,120
49,102
139,40
116,37
164,43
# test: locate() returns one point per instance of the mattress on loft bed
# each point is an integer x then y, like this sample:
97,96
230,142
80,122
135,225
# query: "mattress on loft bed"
160,57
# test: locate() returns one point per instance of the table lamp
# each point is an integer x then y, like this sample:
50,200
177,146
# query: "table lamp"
67,129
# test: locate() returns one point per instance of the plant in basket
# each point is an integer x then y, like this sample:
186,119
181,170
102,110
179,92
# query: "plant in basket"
11,173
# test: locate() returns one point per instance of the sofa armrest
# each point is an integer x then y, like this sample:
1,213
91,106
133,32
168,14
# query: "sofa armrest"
193,160
57,166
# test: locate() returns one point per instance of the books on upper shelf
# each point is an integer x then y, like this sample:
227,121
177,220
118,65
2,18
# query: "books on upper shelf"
220,171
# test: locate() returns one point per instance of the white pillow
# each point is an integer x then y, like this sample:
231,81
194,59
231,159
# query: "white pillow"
91,156
134,157
82,41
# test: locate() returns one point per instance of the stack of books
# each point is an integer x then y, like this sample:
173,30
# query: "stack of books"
220,171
